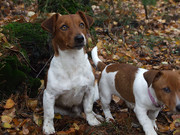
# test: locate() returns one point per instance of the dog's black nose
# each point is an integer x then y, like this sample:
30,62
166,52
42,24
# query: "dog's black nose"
79,39
178,108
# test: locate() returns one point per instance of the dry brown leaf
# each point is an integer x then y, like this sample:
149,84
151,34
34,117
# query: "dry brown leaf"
116,98
99,44
25,130
16,122
9,104
163,128
10,112
71,131
32,103
37,119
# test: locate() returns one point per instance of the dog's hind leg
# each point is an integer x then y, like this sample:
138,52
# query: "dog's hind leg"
105,98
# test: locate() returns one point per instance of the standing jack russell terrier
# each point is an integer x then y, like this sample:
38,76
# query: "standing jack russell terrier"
145,91
70,80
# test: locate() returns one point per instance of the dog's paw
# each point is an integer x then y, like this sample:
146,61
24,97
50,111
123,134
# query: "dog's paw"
110,119
92,121
151,132
48,129
99,117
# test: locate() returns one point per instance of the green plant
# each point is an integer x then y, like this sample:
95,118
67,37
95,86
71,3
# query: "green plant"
15,77
64,6
31,39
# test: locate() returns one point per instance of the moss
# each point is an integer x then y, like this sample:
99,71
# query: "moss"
13,76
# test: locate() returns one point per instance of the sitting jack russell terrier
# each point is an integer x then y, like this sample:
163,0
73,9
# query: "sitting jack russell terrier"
70,87
145,91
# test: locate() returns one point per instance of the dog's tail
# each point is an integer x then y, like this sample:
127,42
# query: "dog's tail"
98,63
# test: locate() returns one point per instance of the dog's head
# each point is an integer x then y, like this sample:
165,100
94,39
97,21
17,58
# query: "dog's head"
166,85
69,31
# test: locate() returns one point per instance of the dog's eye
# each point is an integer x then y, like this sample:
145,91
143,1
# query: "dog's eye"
64,27
81,25
167,90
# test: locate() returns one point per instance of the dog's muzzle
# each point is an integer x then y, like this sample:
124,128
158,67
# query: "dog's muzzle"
79,41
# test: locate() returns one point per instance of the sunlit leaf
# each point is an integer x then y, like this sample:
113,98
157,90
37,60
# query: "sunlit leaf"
57,116
6,125
6,119
100,44
76,127
9,104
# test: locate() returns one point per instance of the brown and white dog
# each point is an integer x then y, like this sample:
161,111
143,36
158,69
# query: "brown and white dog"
70,79
145,91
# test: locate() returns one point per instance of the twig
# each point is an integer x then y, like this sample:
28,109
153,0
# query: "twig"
44,66
65,9
24,58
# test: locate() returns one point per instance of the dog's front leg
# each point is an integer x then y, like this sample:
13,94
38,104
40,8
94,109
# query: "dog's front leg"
152,115
88,107
144,120
48,106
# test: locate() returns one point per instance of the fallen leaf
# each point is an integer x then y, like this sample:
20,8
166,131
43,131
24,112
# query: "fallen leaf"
25,130
99,44
37,119
163,128
76,127
71,131
6,119
32,103
9,104
10,112
6,125
57,116
116,98
16,122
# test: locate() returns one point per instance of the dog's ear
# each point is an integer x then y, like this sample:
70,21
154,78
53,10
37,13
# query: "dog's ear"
151,76
87,19
49,24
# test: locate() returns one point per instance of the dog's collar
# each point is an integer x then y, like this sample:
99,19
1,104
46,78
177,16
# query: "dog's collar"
153,100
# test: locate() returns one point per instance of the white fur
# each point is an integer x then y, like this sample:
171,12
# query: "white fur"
145,110
69,76
95,56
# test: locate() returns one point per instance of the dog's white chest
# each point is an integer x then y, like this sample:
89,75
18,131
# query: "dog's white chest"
70,76
72,97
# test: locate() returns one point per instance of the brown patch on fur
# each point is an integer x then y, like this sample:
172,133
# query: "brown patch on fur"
171,80
124,79
101,66
64,39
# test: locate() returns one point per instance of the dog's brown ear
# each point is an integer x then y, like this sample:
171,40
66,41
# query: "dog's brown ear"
152,75
49,24
87,19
